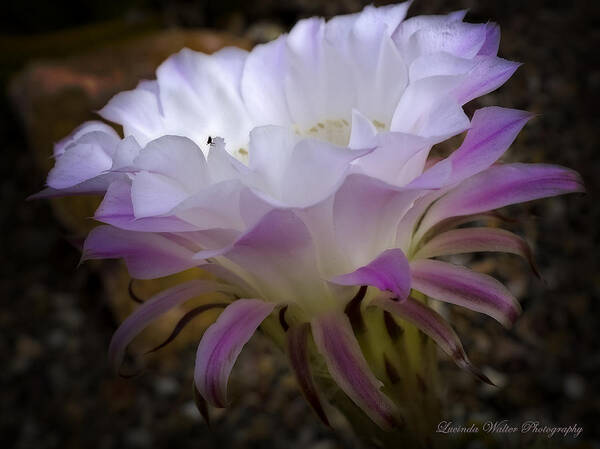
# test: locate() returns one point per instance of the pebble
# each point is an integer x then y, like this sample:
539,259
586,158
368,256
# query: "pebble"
574,386
190,411
166,386
27,351
138,438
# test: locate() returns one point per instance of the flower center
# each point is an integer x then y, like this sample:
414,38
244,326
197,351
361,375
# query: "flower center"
333,131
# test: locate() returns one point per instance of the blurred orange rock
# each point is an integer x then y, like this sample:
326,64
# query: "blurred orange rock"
52,97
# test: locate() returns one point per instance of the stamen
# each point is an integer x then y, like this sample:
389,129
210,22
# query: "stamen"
282,320
132,294
394,330
185,319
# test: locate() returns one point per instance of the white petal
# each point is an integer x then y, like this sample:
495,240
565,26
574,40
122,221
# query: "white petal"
428,109
397,159
320,84
85,159
155,194
81,130
138,111
457,38
363,133
262,84
271,148
125,153
315,171
177,158
200,97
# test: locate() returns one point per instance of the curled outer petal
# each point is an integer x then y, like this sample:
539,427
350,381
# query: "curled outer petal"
222,343
466,288
148,255
389,271
470,240
153,308
493,130
499,186
432,324
336,342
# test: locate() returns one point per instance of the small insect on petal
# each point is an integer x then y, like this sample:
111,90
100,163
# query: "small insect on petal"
458,285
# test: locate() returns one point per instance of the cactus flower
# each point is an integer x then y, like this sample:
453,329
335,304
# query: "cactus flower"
299,175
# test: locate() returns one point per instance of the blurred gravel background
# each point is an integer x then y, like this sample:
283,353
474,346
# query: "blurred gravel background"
56,319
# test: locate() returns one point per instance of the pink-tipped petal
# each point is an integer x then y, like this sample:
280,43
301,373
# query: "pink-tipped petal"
336,342
492,40
222,343
470,240
502,185
434,177
454,222
466,288
388,272
493,130
432,324
487,74
94,186
152,309
147,255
